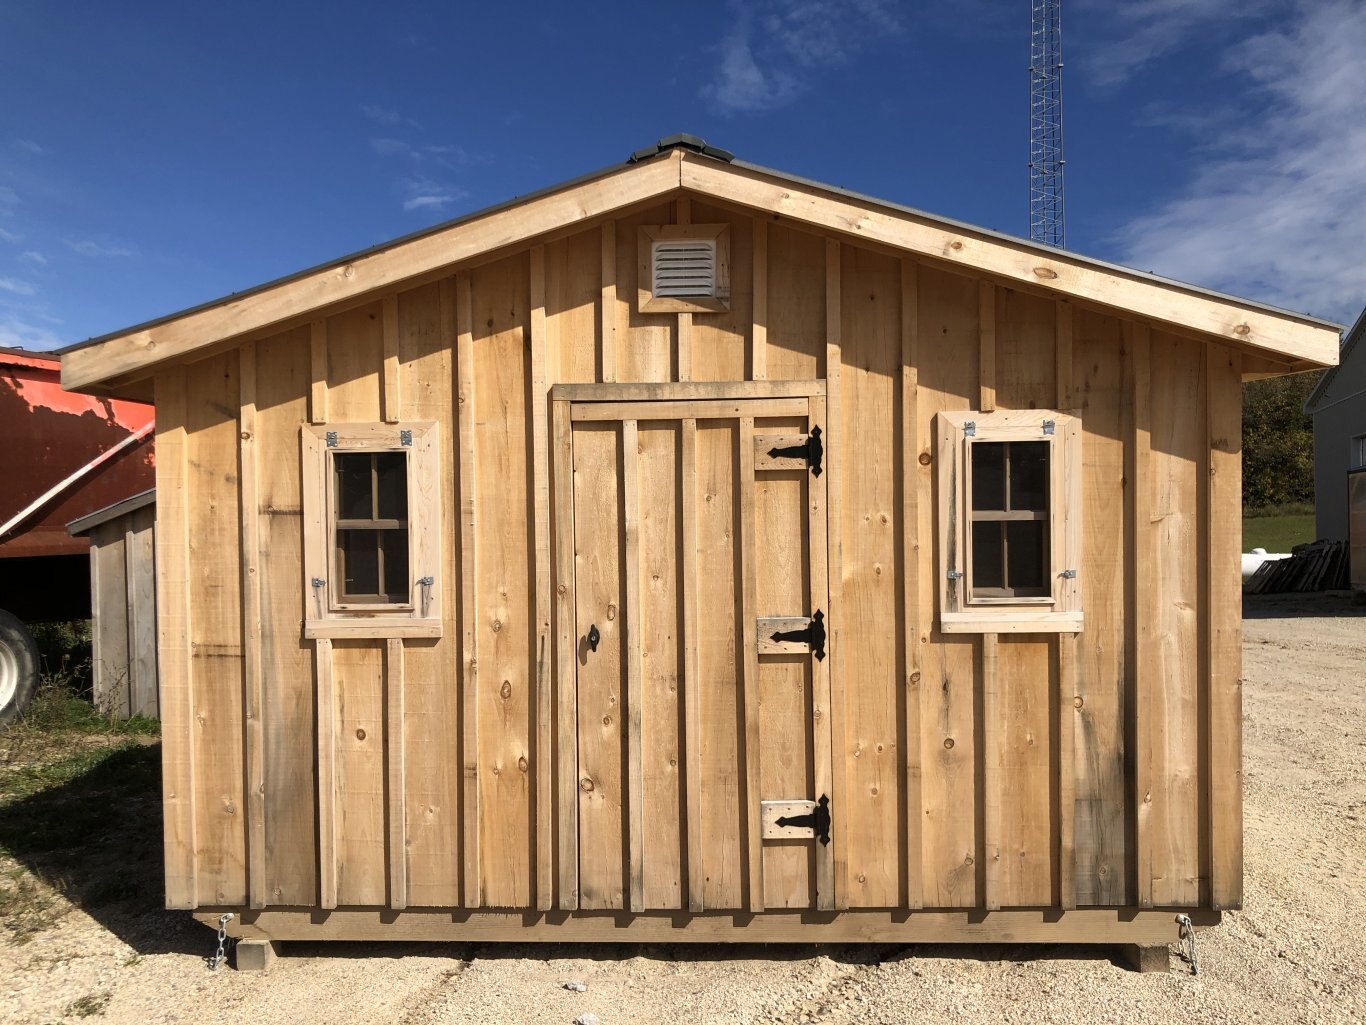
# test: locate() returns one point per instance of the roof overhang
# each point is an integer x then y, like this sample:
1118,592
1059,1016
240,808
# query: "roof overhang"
1285,342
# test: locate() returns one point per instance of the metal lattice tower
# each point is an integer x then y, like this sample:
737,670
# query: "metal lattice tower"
1046,221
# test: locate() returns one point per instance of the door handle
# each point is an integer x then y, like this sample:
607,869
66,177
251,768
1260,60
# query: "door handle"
593,637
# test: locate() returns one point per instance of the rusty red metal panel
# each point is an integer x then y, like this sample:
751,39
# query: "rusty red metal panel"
46,436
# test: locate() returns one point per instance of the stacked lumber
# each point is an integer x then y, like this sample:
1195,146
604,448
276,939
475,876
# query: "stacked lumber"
1315,566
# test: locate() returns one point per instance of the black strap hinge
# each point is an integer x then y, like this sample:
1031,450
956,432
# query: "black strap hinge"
818,821
812,450
813,634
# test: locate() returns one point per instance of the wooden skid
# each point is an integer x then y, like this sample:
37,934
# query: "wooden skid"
1035,925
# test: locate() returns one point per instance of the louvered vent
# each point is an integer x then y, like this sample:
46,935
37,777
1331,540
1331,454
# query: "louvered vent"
684,268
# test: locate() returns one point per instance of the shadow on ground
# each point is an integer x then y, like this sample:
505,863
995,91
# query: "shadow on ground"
96,840
1315,604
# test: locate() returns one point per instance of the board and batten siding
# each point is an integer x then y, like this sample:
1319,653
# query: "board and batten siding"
1098,769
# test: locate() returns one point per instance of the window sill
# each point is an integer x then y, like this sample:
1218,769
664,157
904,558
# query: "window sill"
1010,622
371,627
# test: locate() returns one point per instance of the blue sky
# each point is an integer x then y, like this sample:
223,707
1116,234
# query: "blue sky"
157,155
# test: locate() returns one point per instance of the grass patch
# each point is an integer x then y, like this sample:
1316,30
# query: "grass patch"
80,803
1277,533
89,1005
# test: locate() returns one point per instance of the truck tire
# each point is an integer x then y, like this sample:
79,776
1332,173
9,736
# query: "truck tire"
18,667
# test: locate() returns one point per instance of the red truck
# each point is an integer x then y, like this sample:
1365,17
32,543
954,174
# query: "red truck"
62,456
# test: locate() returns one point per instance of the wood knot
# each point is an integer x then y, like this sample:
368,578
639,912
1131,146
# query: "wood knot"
915,679
360,734
506,689
586,785
496,625
1045,274
1242,330
522,763
1077,702
925,458
948,743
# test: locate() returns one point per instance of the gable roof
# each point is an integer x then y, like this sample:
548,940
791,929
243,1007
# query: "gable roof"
1350,342
683,163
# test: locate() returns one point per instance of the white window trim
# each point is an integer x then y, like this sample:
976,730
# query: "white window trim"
420,616
1060,612
649,234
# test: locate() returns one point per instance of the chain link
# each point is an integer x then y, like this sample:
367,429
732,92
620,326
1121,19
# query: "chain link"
223,940
1186,942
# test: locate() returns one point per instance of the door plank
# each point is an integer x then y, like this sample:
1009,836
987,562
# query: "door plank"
635,769
819,589
566,661
692,684
748,554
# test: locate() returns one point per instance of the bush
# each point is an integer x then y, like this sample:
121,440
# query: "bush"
1278,442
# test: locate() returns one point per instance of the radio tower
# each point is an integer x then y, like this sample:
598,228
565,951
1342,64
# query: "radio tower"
1046,221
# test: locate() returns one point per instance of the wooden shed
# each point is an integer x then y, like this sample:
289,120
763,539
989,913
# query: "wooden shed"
123,610
694,552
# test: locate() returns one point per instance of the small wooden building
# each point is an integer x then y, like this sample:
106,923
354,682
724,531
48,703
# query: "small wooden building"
693,552
123,608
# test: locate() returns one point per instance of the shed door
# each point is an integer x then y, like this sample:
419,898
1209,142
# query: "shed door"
700,743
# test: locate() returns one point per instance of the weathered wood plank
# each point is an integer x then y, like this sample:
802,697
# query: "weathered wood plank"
758,338
635,695
178,768
912,614
840,833
692,684
1223,604
747,663
327,774
986,359
397,768
253,692
469,591
317,405
1142,552
822,753
541,757
566,662
992,714
393,410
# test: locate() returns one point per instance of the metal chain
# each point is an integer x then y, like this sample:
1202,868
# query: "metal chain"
223,940
1186,942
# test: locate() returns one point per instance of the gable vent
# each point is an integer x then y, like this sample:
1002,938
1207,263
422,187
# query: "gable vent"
684,268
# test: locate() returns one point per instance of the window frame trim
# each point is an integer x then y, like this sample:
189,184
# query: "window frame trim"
1058,612
322,615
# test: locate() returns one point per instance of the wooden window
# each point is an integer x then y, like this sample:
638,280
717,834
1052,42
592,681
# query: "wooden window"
684,268
1358,453
1010,522
372,518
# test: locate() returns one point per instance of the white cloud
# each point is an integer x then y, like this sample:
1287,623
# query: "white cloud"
88,247
8,197
16,333
29,145
425,194
770,54
1146,29
16,286
9,236
33,256
383,116
1279,213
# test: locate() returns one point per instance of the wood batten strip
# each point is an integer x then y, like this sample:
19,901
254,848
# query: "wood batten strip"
607,311
317,350
758,336
747,550
566,640
1062,356
253,682
692,716
986,313
469,682
834,471
822,755
1143,552
635,695
1223,602
327,774
910,576
540,397
682,216
173,622
992,711
1068,713
393,411
397,765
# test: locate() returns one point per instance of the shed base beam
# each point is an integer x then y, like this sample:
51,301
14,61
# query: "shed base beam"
1145,928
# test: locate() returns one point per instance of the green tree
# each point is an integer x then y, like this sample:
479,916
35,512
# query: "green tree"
1278,441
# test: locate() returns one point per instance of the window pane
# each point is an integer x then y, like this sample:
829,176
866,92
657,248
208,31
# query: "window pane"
1027,556
353,485
988,474
359,557
395,545
392,473
986,554
1029,475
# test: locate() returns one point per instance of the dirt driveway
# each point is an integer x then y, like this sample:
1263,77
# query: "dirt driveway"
1297,953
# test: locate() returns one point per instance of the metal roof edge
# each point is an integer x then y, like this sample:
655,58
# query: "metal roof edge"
693,146
1350,341
83,524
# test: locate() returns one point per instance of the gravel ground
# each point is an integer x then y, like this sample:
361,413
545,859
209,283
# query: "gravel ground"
1295,954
